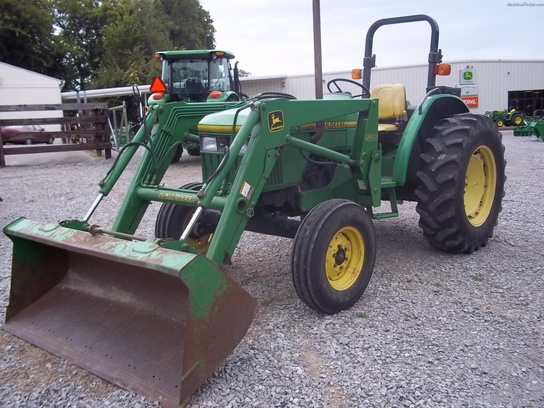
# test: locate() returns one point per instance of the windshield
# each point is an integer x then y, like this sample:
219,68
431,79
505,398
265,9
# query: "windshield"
191,75
220,80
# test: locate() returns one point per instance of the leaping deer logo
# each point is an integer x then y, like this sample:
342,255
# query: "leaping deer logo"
275,121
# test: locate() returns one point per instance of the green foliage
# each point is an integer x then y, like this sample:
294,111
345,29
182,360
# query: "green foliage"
100,43
80,24
130,40
138,28
197,30
26,35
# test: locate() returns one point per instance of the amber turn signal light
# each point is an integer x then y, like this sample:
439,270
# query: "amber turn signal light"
442,69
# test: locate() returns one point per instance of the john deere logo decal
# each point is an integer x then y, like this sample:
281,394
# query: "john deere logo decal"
275,121
467,75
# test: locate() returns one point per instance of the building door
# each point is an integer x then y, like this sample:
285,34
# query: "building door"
526,101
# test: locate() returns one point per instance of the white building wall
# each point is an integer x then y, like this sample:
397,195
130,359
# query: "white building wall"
19,86
494,80
254,85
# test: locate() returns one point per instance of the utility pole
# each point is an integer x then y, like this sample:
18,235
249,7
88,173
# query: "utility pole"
317,50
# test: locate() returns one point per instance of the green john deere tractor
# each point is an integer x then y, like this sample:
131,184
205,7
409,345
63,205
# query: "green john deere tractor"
506,118
157,315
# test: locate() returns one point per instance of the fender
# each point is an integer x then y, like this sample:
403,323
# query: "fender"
425,117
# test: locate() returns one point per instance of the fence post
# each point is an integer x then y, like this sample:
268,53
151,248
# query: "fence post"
2,159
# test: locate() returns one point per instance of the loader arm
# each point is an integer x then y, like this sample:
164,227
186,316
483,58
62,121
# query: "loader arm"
166,126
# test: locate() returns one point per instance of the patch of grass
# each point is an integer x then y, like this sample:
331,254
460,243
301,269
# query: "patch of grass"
477,278
363,315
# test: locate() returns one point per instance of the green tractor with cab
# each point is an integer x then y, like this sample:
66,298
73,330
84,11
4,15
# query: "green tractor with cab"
191,76
157,315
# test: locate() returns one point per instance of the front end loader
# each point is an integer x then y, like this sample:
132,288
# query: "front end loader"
156,315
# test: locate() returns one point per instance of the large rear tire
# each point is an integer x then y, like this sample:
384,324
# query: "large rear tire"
516,119
461,183
334,252
173,218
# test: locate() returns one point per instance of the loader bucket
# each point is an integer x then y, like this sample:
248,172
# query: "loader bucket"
152,320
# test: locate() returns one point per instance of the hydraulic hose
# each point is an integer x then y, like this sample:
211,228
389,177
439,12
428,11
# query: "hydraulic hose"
126,154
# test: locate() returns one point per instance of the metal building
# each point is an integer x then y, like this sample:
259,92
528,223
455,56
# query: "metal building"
485,84
19,86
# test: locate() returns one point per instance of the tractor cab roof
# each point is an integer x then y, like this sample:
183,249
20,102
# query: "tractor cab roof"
188,54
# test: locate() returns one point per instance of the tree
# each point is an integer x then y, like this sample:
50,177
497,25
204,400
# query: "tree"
133,34
99,43
138,28
26,36
188,24
79,24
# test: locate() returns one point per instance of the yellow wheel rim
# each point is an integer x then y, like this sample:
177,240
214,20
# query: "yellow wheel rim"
480,185
345,258
202,243
517,120
500,123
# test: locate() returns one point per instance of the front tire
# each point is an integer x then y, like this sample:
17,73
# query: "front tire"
195,151
173,218
334,252
177,155
461,183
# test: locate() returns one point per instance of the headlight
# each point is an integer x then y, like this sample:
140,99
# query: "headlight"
208,144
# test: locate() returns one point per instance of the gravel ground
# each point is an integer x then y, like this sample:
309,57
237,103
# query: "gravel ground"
431,330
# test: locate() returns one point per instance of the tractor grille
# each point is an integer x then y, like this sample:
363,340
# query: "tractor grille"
210,162
276,176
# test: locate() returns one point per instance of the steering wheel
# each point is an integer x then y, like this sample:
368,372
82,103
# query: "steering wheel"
272,95
335,81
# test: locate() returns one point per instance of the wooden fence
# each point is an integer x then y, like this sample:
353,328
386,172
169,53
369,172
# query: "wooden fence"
83,127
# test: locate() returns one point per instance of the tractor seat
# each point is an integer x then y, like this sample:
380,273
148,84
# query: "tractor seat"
392,107
194,86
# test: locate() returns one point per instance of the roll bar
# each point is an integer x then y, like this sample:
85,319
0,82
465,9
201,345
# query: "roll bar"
435,55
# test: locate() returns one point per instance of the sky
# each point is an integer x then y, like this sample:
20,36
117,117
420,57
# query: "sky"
276,37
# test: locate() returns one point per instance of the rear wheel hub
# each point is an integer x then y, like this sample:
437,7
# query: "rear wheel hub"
480,185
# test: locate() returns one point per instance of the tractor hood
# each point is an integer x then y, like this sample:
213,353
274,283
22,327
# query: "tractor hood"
226,122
